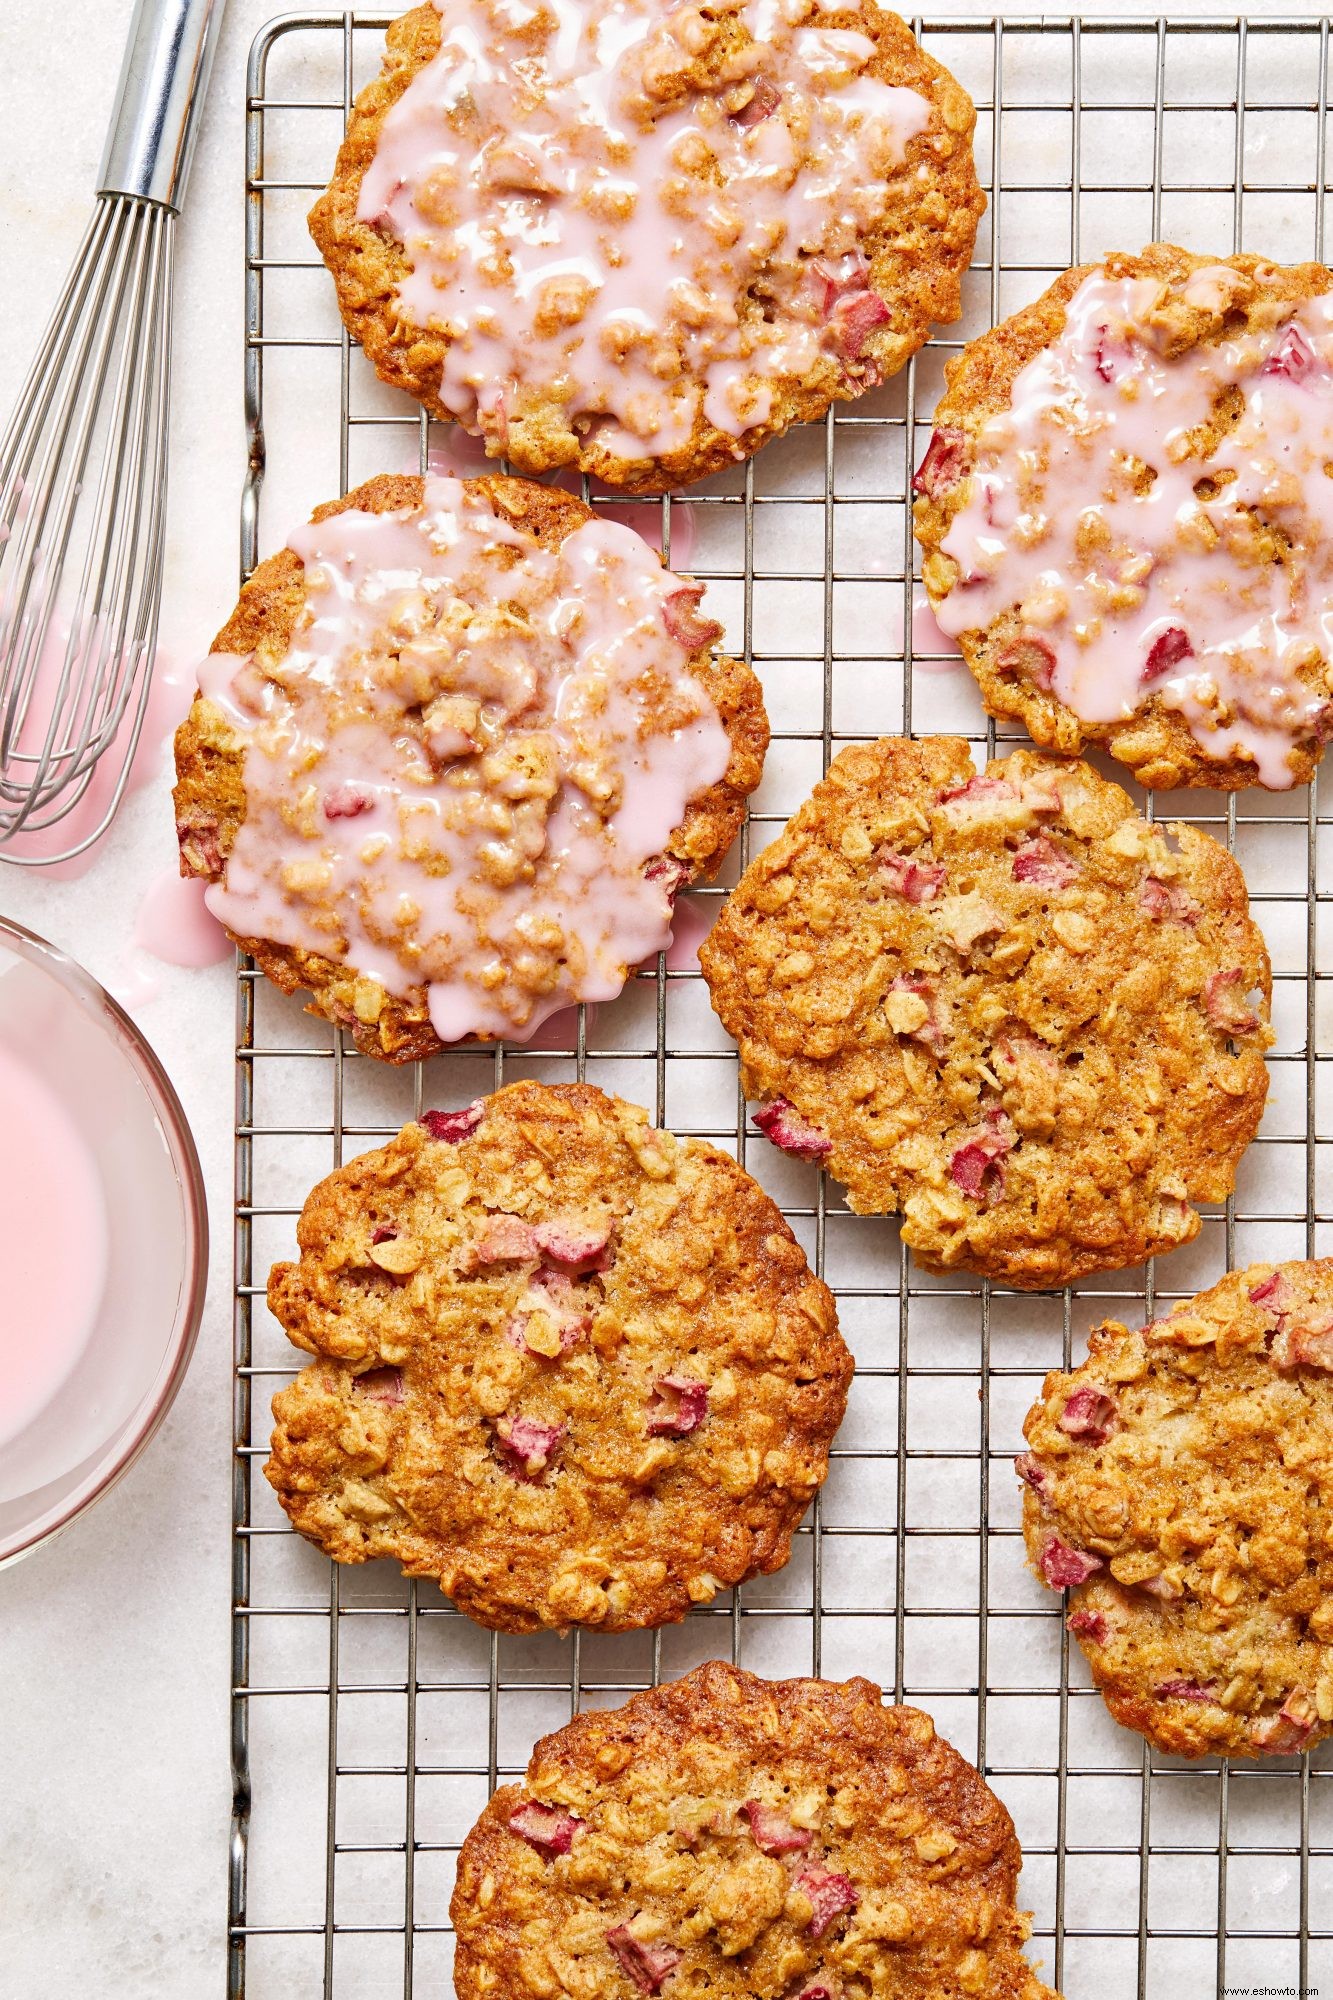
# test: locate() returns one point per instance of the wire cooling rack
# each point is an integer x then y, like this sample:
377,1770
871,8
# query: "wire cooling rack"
369,1720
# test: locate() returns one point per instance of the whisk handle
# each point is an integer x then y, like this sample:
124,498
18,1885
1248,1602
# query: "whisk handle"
160,99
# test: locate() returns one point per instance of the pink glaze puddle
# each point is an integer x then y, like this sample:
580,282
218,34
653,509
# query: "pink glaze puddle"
172,926
928,637
133,985
53,1245
168,699
175,924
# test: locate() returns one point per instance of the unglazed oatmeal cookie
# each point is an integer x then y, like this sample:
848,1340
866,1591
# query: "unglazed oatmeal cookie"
643,240
453,755
1180,1485
573,1368
748,1839
1127,516
1001,1003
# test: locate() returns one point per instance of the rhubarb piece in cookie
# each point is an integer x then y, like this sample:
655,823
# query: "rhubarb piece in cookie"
643,240
1000,1003
575,1369
1180,1485
453,756
749,1840
1125,512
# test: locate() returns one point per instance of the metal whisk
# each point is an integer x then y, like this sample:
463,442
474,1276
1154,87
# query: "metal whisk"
84,460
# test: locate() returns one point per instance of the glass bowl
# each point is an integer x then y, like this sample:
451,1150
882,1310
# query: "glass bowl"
87,1062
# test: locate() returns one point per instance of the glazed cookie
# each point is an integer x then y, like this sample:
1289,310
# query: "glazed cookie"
644,240
1180,1484
576,1370
747,1839
1126,511
453,755
1002,1004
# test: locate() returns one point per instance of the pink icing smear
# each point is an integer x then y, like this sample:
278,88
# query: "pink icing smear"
173,922
456,774
581,222
1135,594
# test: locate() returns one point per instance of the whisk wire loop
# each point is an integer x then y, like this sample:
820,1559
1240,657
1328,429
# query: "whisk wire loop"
82,520
83,463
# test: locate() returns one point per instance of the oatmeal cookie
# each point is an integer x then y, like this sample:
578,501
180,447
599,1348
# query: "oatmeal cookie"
644,241
454,754
1180,1485
1125,509
573,1368
748,1839
1000,1003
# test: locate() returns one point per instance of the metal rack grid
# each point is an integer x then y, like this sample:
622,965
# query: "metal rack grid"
369,1720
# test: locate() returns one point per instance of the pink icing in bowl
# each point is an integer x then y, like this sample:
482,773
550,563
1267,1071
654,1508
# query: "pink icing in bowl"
104,1237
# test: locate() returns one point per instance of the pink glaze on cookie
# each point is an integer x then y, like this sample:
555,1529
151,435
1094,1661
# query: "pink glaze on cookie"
1142,589
456,774
587,229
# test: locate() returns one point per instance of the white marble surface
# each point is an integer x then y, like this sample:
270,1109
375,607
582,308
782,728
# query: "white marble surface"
113,1643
